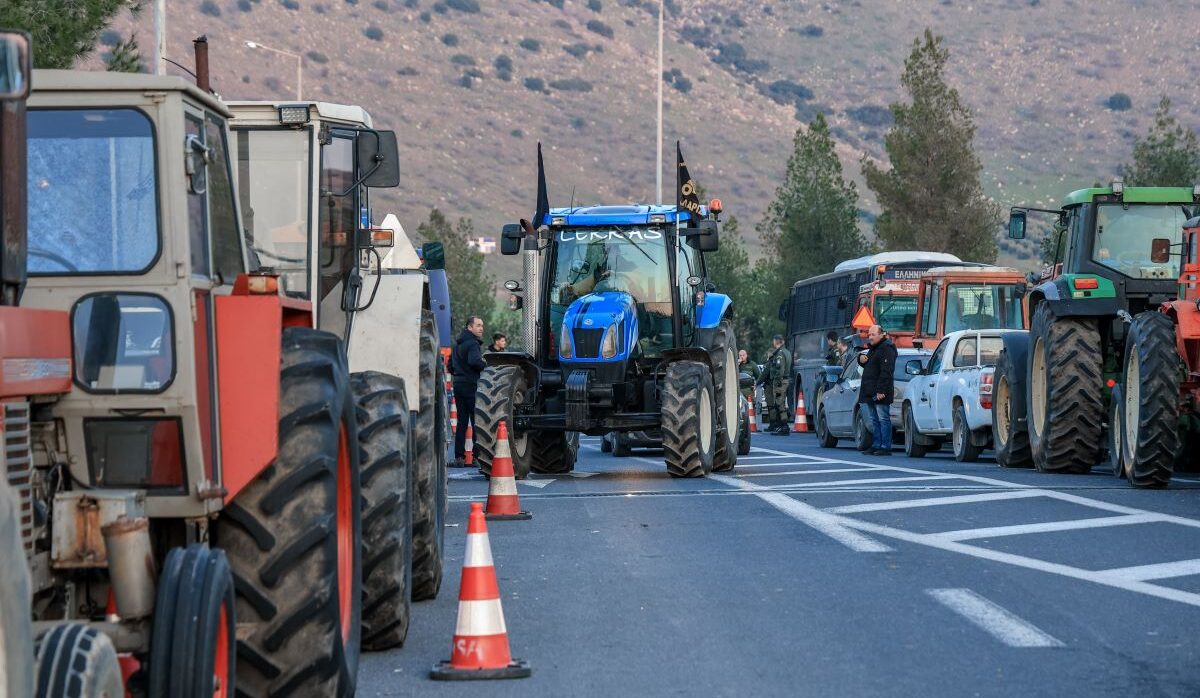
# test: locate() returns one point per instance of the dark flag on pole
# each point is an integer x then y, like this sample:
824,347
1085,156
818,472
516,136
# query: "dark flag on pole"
686,198
543,197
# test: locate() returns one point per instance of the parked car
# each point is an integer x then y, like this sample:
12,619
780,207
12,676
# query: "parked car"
950,397
838,414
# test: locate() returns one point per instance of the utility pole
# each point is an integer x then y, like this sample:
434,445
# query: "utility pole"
658,76
160,37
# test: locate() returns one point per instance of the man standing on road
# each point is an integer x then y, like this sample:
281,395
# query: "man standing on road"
499,342
779,368
466,363
748,367
876,390
833,355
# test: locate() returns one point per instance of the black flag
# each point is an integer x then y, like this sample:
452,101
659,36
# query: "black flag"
686,198
543,197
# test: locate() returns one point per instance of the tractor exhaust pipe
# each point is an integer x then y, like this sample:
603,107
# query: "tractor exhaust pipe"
131,565
200,46
531,282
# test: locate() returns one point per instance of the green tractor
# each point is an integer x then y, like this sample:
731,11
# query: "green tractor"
1114,260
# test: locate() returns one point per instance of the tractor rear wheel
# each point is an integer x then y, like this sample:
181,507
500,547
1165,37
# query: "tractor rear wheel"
77,661
386,460
16,631
293,535
193,642
429,471
501,387
689,429
1151,397
1064,398
1011,441
743,448
728,393
554,451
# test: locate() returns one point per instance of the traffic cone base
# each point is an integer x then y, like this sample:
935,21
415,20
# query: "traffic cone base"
480,649
503,503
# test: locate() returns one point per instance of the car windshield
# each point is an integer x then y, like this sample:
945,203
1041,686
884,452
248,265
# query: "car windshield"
983,307
93,204
628,259
896,313
274,179
1125,235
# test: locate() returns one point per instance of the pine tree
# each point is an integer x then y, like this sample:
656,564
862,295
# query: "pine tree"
1169,155
62,30
931,197
125,57
472,291
729,268
813,222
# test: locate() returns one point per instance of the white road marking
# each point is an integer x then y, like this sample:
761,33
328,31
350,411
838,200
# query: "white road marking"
1048,527
579,473
802,472
470,475
993,619
863,481
1163,570
935,501
810,515
539,483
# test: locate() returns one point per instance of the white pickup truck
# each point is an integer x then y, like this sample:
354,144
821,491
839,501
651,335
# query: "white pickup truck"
950,397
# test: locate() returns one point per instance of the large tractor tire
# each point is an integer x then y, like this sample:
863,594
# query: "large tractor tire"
16,630
728,394
501,387
743,448
1009,437
689,427
385,456
77,661
293,535
193,641
1151,396
554,452
429,476
1064,393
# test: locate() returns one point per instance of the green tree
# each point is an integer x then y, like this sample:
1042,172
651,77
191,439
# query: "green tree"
1169,155
730,269
931,197
63,31
472,291
125,57
811,225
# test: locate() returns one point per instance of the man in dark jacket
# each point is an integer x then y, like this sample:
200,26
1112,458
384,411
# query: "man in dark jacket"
466,363
876,390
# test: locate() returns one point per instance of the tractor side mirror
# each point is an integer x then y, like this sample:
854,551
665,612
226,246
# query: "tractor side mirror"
1160,250
704,237
510,238
1016,225
914,367
14,65
379,158
434,255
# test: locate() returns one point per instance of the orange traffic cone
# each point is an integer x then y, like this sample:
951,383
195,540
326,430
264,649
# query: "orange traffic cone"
480,649
753,417
469,446
453,416
502,502
801,424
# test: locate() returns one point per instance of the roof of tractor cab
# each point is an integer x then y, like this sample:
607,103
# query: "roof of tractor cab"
1133,195
326,111
631,214
108,81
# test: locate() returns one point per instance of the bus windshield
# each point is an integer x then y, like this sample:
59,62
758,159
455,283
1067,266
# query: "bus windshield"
983,307
1125,235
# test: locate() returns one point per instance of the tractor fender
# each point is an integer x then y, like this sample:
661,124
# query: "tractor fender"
1065,302
717,306
670,356
1017,345
521,360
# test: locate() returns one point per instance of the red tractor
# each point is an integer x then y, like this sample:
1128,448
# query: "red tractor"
1154,420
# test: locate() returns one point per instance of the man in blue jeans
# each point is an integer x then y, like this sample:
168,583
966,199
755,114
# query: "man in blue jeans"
876,390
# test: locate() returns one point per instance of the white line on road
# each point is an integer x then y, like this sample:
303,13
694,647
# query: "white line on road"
993,619
935,501
1048,527
803,472
810,515
1162,570
862,481
539,483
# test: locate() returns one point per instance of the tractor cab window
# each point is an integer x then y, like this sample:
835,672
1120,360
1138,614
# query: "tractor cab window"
983,307
273,179
931,310
631,260
92,192
896,313
1125,233
338,221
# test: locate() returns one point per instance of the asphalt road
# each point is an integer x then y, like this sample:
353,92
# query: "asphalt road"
821,572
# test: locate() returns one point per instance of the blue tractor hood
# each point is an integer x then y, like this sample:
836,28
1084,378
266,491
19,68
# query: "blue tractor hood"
589,318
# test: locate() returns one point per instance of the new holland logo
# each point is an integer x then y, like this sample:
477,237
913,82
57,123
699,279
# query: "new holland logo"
588,321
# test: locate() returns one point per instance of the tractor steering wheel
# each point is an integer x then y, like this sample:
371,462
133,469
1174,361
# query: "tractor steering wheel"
56,258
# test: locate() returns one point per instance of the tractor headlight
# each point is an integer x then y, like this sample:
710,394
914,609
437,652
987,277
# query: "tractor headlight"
608,345
565,348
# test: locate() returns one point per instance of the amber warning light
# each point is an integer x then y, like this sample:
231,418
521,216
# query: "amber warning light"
715,206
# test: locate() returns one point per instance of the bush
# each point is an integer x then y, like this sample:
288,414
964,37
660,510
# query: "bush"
470,7
503,62
595,6
317,57
112,38
440,8
450,39
571,85
562,24
811,30
425,17
682,84
505,75
406,71
698,36
517,133
577,50
734,55
462,59
208,7
319,9
595,25
578,123
373,33
788,92
871,115
535,84
290,4
1119,101
466,81
555,3
735,20
410,4
531,45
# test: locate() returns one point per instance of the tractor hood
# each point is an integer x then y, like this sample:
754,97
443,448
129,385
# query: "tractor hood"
601,328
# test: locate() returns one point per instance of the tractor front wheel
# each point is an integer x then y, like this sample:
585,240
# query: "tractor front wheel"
689,414
554,452
74,660
1151,397
1065,402
429,470
500,388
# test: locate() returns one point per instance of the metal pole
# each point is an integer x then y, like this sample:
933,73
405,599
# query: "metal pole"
299,79
160,37
658,75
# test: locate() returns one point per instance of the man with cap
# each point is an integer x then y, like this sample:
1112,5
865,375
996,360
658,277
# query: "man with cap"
776,378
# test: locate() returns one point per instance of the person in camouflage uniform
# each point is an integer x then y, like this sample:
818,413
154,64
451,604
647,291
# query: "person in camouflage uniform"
745,365
776,378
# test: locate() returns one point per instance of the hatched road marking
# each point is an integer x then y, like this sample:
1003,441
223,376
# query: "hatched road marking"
993,619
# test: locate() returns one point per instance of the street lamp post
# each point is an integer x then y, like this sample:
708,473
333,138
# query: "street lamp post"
299,65
658,75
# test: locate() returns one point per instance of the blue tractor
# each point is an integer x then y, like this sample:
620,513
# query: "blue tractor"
622,331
